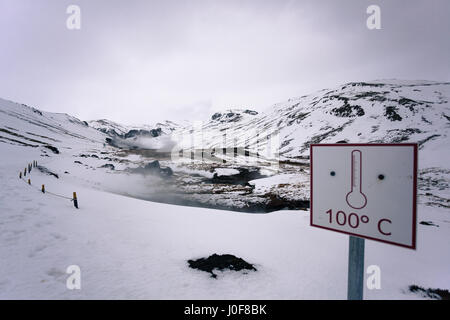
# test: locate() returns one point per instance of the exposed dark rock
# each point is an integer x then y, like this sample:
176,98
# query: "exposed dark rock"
365,84
276,203
112,142
155,169
230,116
295,118
36,111
242,178
428,223
220,262
166,172
391,113
216,115
76,161
409,103
154,165
285,143
398,135
47,171
133,133
422,142
108,166
348,111
330,133
446,116
88,155
52,148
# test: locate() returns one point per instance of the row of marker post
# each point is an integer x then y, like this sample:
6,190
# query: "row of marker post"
34,165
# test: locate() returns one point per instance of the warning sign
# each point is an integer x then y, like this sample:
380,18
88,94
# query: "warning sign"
365,190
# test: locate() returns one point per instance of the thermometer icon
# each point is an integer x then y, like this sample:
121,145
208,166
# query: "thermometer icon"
356,198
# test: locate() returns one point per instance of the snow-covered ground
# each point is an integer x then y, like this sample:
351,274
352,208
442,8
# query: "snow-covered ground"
129,248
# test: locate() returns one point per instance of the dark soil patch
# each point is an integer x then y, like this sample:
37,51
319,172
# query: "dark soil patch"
220,262
439,294
276,203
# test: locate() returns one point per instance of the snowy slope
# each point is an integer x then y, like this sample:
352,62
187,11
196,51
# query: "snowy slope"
129,248
154,136
29,127
115,129
133,249
379,111
394,111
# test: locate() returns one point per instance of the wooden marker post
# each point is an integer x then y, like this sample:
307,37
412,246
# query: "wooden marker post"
43,189
29,181
20,175
25,172
75,200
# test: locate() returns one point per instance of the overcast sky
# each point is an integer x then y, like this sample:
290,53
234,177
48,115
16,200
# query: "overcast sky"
144,61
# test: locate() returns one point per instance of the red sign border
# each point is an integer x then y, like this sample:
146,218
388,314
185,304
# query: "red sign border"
414,223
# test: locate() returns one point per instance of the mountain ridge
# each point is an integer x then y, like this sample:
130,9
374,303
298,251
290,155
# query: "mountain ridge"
380,111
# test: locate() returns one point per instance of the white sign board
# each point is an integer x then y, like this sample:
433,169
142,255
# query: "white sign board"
365,190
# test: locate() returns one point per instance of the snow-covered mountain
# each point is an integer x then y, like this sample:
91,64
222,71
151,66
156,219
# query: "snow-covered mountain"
50,132
147,136
378,111
123,131
42,233
394,111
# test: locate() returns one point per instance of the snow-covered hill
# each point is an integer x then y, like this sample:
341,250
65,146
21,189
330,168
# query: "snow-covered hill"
51,133
128,248
132,249
147,136
114,129
378,111
394,111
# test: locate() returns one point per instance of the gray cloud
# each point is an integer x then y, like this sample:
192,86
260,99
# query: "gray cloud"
145,61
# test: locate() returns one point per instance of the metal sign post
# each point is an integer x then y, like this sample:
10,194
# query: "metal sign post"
355,285
367,191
